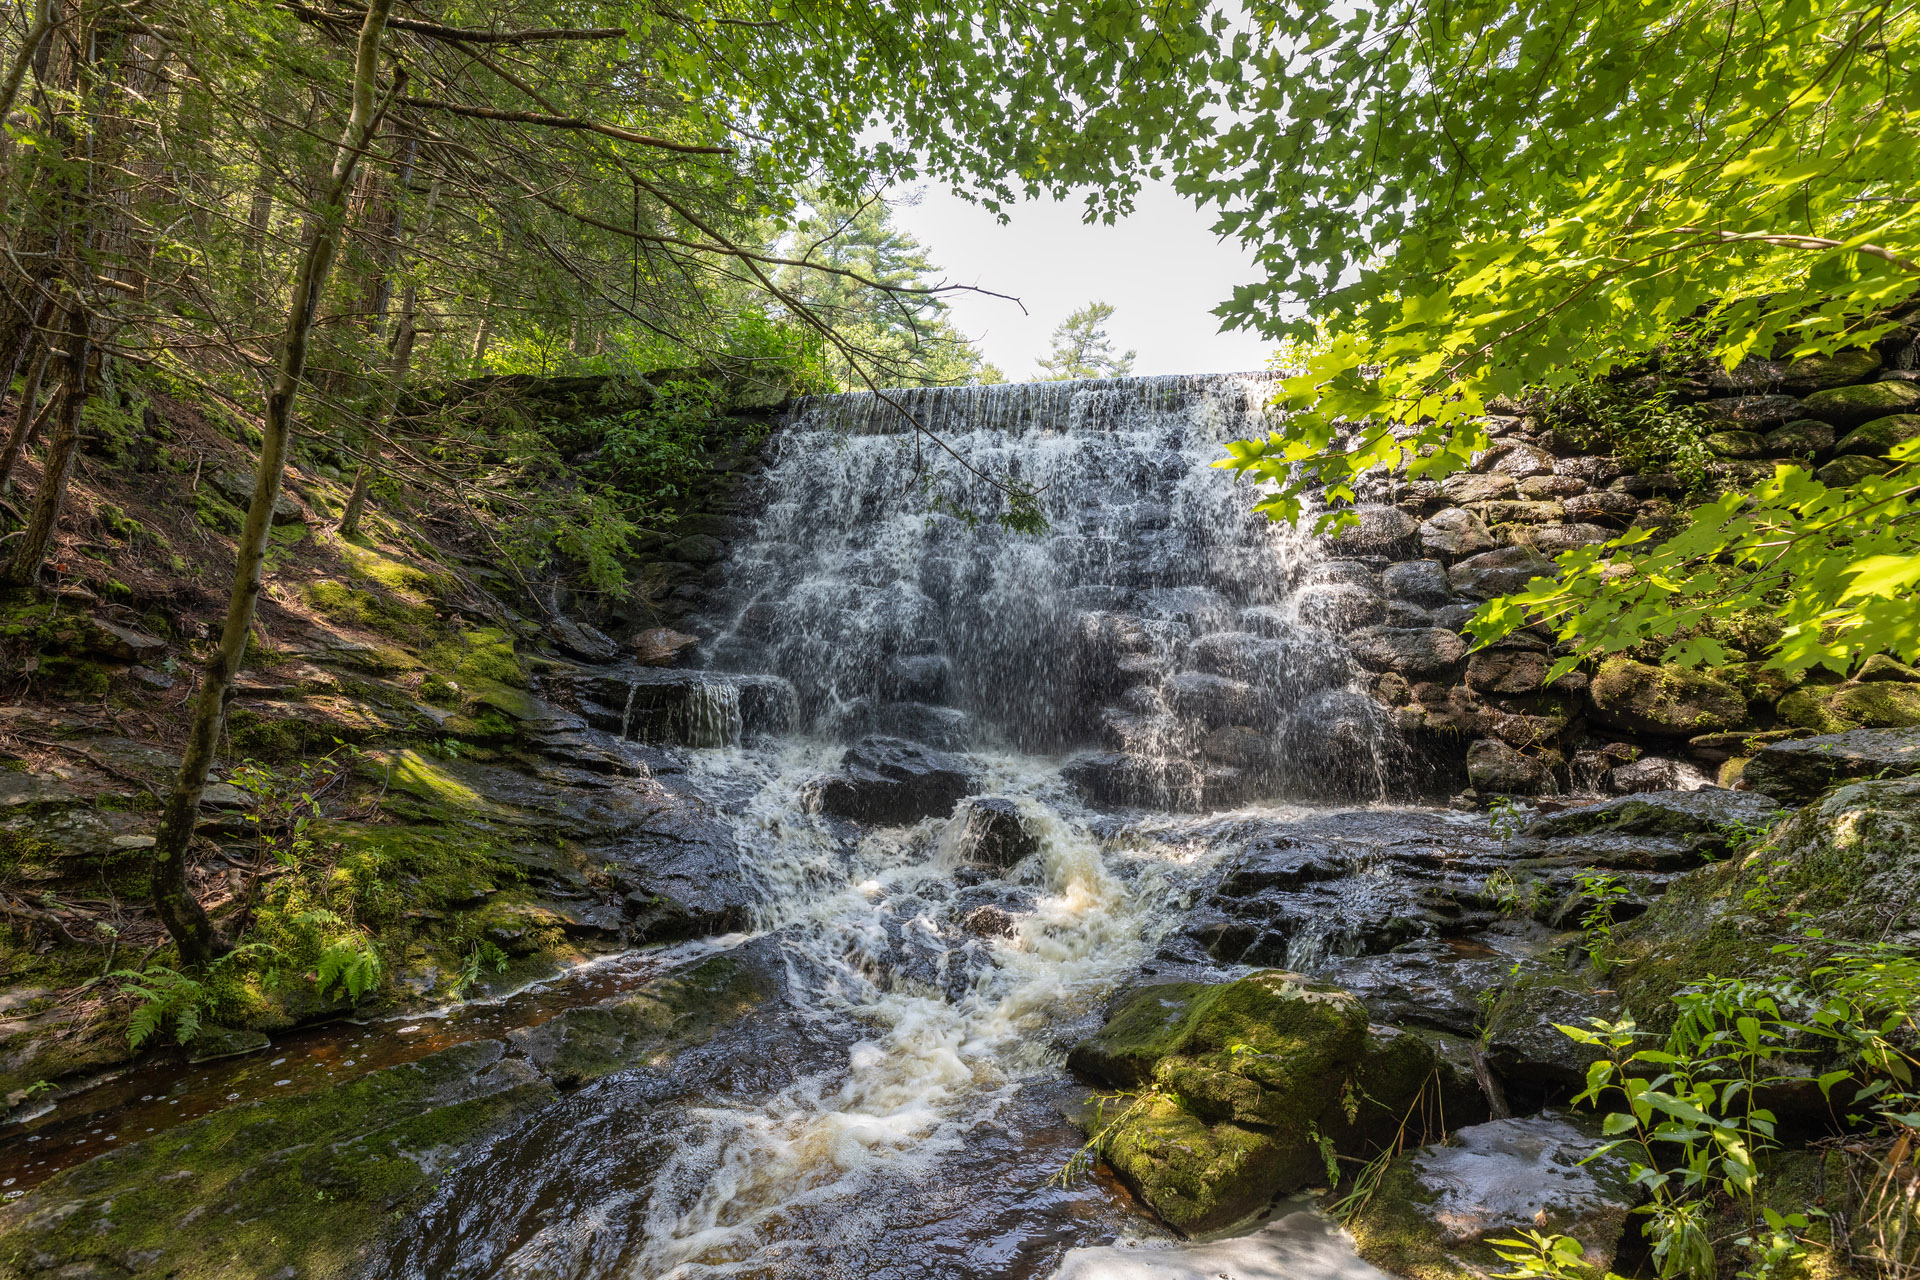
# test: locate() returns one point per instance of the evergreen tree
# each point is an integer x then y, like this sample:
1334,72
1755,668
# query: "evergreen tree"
1082,349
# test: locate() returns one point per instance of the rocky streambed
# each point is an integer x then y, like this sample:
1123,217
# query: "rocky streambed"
893,1074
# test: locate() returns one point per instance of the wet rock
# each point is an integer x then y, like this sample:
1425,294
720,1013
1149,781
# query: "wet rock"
1878,438
1801,437
1662,813
1656,774
891,781
1238,745
1427,983
1214,700
917,678
1417,582
1495,768
1875,704
662,646
1522,1043
1244,1071
1439,1209
581,641
1301,1243
1849,407
367,1145
1465,487
1753,413
1353,573
947,728
1338,606
1799,770
1663,701
1332,742
1412,651
1497,572
213,1042
991,831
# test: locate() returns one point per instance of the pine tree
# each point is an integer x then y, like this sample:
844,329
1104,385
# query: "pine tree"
1082,349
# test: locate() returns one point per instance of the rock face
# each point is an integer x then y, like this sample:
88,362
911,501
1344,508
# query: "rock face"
891,781
1848,864
1848,407
1664,701
1412,651
1237,1074
1438,1208
1798,771
662,646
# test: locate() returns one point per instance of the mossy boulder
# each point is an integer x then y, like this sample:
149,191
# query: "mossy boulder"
1878,437
1737,444
1664,701
1850,469
1244,1090
1848,864
1818,373
1875,704
1800,437
1438,1209
1848,407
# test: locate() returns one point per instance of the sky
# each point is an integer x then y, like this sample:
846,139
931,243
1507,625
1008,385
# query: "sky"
1161,267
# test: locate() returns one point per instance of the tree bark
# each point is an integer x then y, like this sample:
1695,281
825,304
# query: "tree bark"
356,501
23,419
79,370
198,941
25,57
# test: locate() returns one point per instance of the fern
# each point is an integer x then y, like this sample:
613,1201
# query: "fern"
164,993
350,964
484,953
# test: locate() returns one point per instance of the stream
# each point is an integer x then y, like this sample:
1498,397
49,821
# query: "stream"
1155,684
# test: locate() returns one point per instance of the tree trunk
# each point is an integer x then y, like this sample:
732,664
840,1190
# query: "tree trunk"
23,420
78,370
182,913
26,56
356,501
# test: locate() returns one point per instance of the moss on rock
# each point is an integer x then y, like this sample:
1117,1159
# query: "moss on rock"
1248,1088
1664,701
1848,864
1876,704
289,1186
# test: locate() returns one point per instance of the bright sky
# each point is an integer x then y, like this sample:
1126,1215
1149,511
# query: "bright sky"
1161,268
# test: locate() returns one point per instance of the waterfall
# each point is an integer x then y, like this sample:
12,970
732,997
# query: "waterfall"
1150,624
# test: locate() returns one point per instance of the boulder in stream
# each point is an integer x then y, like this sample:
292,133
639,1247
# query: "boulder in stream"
1235,1083
891,781
990,831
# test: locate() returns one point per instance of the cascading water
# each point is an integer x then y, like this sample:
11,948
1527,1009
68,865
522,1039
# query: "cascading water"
1152,619
896,1110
